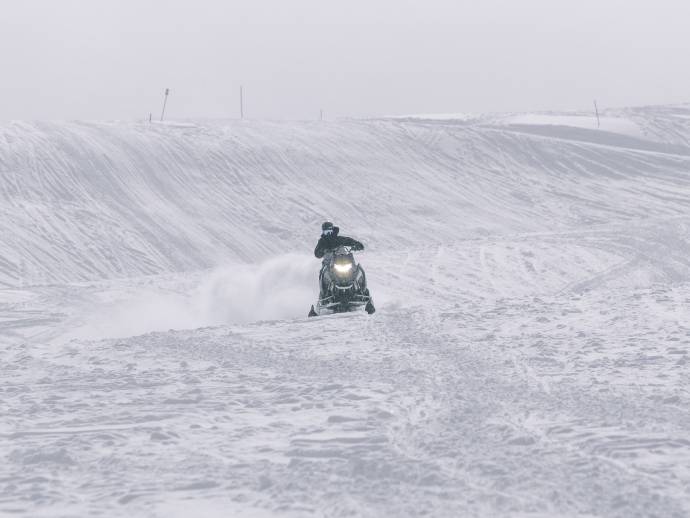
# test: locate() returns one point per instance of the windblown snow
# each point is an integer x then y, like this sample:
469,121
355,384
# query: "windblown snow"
529,356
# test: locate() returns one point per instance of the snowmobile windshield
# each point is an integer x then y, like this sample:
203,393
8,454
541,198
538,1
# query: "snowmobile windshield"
343,251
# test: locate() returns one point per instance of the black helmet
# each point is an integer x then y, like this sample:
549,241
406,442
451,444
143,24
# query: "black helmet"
326,228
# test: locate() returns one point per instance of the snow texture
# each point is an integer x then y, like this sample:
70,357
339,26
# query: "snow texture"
529,356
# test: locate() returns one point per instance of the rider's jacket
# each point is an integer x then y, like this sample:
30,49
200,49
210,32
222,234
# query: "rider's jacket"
333,241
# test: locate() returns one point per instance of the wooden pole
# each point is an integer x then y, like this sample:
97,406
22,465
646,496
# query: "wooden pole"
596,111
241,102
165,101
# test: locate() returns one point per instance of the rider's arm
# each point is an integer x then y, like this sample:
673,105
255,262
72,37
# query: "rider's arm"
319,250
348,241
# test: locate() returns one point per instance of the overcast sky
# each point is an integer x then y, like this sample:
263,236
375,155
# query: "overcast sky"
111,59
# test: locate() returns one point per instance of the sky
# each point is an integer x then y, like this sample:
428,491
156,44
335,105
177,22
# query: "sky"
112,59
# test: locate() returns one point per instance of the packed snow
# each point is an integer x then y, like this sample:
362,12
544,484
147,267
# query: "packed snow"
529,356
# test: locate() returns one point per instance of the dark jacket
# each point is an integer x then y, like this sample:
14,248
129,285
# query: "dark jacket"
333,241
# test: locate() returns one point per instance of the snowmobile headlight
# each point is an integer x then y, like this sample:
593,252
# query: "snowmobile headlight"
342,268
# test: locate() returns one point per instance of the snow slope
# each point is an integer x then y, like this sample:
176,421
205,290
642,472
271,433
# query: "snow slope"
89,201
529,356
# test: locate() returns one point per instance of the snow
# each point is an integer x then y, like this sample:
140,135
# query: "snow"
453,117
616,123
610,124
529,355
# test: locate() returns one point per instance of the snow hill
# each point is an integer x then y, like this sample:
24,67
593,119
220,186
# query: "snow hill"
529,356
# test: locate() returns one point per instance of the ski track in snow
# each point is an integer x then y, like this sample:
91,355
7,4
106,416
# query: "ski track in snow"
529,357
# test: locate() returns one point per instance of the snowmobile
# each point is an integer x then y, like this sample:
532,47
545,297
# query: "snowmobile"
343,285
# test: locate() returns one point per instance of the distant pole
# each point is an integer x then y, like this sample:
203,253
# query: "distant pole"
165,101
596,111
321,114
150,116
241,103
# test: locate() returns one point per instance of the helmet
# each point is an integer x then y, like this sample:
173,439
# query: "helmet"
326,228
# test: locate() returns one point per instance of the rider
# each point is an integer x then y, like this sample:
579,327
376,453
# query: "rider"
328,242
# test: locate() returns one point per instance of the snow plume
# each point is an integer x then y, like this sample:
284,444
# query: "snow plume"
282,287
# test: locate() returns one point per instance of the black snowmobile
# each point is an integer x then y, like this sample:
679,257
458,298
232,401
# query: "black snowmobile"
343,285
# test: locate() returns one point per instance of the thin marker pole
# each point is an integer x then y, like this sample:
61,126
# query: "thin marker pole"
596,111
241,103
165,101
